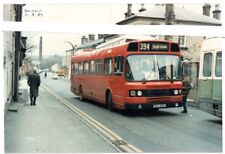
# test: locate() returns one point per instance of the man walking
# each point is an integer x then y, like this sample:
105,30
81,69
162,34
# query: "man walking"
186,88
34,83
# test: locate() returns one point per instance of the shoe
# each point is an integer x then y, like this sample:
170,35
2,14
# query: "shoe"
183,112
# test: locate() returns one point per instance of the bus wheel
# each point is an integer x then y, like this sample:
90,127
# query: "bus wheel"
155,111
81,94
110,102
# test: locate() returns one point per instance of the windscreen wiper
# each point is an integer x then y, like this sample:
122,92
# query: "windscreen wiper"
154,71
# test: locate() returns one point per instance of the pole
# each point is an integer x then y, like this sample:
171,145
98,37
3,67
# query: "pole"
73,47
72,53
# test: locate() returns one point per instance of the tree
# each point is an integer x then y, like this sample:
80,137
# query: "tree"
30,46
51,60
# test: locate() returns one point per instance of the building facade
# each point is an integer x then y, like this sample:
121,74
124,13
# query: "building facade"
9,56
182,16
14,51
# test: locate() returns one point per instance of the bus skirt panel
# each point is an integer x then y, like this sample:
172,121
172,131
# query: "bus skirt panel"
153,103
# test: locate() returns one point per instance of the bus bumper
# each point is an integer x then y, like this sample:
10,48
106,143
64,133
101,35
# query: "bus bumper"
153,103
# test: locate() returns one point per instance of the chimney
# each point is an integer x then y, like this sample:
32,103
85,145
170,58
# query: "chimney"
142,8
217,12
84,40
169,18
169,14
129,12
91,37
206,9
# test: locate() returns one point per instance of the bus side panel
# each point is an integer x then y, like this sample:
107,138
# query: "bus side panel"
99,86
210,96
205,88
74,85
86,85
117,85
217,90
211,106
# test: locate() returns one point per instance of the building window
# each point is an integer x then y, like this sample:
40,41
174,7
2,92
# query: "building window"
182,41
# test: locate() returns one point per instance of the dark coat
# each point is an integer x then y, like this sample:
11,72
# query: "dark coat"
186,88
34,83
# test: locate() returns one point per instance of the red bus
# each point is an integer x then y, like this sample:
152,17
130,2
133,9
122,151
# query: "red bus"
134,75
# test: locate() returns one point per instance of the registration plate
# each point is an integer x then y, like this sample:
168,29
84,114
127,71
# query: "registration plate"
159,105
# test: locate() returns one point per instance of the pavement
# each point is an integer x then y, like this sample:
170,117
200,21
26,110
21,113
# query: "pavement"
48,127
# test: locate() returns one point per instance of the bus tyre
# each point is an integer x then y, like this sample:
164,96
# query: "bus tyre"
81,94
110,102
130,112
155,111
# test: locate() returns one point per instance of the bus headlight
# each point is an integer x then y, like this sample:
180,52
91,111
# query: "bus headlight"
139,93
132,93
175,92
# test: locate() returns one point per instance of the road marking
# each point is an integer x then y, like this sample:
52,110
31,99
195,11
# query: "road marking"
113,137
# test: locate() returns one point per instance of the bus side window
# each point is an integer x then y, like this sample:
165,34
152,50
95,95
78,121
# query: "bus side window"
75,69
86,68
108,66
218,69
118,68
92,67
80,68
207,65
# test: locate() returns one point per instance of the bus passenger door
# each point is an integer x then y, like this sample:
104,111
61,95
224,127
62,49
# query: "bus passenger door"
117,80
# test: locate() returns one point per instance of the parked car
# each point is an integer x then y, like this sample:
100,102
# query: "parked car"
55,76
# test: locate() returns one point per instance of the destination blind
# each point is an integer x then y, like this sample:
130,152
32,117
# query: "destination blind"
154,46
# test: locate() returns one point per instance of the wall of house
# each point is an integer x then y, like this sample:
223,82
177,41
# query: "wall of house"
9,50
9,12
8,66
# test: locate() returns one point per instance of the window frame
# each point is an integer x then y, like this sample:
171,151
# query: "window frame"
120,70
182,39
206,67
216,64
92,69
108,65
99,67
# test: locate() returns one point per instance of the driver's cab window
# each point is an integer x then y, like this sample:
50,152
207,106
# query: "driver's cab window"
118,68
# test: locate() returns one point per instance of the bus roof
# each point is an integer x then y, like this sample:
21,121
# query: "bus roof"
123,39
109,51
213,43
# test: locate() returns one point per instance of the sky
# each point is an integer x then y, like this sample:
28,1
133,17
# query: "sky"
54,43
